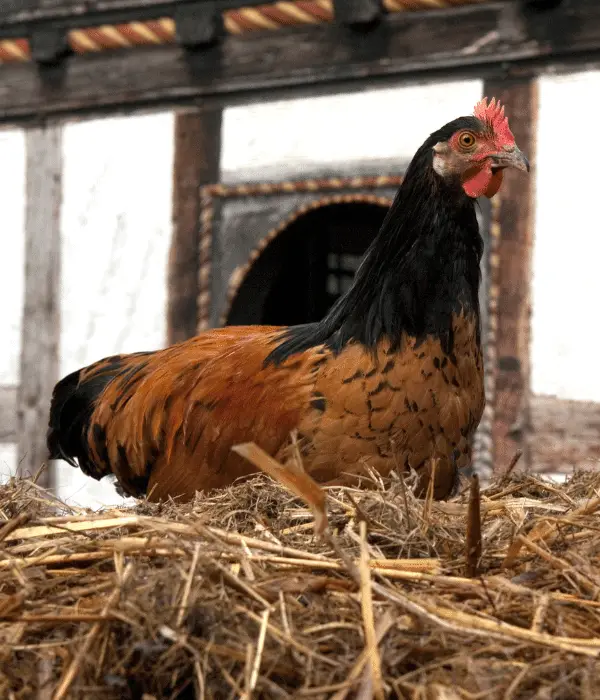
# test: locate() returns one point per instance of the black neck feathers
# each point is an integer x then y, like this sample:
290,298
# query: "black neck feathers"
422,267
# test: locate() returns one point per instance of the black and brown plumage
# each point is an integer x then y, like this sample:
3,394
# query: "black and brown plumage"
391,377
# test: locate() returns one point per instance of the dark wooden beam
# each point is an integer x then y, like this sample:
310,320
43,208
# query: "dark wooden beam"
41,315
20,17
516,219
495,39
197,160
49,46
357,13
198,24
8,414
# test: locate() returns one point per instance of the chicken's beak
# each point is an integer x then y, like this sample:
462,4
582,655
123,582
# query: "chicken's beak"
513,158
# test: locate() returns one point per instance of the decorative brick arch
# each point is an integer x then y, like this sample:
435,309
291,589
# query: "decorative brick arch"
240,274
209,194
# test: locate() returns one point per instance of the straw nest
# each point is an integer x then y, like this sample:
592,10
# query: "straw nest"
235,596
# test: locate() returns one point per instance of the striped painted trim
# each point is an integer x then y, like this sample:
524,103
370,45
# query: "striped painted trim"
268,17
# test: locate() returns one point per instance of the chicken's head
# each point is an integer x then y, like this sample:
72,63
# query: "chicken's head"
479,150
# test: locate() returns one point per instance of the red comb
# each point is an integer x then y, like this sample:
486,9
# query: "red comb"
492,114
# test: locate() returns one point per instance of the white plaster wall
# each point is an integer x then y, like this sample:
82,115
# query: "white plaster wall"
292,137
116,231
12,191
566,283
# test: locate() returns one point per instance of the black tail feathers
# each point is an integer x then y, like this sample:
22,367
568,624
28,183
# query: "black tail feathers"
71,408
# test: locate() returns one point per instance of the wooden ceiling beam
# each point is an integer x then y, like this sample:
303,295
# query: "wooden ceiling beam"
357,13
498,39
19,17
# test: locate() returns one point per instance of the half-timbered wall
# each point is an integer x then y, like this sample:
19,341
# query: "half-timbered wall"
115,233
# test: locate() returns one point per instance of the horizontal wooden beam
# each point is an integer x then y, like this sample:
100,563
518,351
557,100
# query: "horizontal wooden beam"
21,17
8,414
502,39
357,12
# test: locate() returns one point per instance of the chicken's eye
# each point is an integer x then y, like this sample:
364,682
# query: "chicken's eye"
466,140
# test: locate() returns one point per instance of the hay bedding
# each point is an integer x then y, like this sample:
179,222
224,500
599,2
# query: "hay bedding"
233,596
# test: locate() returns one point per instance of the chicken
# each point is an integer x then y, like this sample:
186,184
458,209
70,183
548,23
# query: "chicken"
392,377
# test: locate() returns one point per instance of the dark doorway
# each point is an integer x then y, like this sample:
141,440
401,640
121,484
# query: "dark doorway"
308,266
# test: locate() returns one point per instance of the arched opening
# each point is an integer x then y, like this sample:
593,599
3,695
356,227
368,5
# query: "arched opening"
304,270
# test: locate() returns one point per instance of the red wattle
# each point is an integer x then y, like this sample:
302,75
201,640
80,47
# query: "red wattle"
495,183
482,181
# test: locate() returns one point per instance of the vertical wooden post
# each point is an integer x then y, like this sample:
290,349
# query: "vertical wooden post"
40,333
516,219
196,163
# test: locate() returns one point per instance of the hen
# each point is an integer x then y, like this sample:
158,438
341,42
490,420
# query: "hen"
391,377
